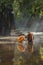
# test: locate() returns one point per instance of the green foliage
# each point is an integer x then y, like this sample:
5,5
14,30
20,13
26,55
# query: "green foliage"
34,7
5,3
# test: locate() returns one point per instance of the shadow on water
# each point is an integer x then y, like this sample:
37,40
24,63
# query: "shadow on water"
6,54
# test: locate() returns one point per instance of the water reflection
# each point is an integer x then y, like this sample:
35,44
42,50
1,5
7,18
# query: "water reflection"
10,55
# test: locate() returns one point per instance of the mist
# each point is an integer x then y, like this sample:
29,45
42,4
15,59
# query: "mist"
29,24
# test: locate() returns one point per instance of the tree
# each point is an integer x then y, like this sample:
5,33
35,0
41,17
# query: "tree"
6,16
29,7
21,8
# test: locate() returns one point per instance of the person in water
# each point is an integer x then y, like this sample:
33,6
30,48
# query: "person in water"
20,43
29,37
30,41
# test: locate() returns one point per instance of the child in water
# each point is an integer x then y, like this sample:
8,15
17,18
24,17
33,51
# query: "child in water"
30,41
20,43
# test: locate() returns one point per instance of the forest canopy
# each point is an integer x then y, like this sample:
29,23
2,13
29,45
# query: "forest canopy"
20,7
34,7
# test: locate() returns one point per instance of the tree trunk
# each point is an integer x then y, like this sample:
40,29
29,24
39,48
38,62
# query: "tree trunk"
7,21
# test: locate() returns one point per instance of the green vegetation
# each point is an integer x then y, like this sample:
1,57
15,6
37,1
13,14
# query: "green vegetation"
29,7
25,7
22,10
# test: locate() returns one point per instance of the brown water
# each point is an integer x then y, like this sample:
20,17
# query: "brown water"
10,55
